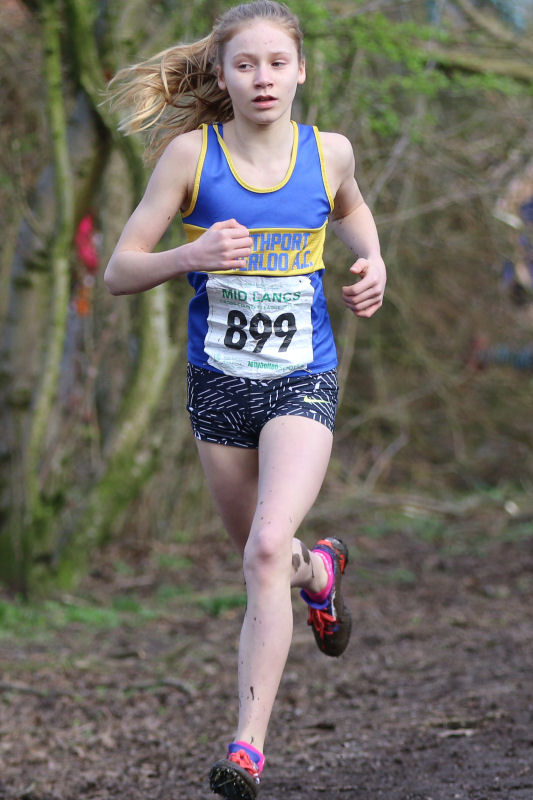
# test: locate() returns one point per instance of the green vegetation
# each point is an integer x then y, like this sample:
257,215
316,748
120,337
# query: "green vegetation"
219,603
25,619
425,540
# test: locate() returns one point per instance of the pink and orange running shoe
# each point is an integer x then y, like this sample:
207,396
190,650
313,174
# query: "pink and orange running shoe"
329,617
237,776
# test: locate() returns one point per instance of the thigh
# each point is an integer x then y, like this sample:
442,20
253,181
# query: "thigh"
231,474
313,396
219,408
294,453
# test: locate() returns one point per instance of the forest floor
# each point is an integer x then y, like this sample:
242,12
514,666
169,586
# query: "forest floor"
134,696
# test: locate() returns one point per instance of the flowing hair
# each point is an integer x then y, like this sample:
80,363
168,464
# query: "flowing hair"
177,89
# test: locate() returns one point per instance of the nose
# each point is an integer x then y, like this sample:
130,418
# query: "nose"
263,76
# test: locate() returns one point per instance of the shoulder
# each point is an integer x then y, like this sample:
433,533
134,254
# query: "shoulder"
338,157
183,150
337,149
175,170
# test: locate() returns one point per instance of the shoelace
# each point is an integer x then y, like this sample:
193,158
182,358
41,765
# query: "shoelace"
322,622
242,759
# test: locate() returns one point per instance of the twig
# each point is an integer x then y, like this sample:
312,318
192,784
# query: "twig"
349,328
389,408
171,683
392,162
383,460
434,205
340,508
21,689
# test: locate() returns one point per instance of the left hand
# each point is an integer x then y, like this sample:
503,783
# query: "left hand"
365,296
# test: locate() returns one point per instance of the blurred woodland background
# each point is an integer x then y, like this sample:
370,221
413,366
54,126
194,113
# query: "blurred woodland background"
435,416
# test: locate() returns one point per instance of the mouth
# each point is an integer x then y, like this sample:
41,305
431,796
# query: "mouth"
264,100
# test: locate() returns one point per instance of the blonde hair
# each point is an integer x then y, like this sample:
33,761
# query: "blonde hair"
176,90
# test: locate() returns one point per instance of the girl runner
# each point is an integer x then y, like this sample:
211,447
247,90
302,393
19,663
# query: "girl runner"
255,191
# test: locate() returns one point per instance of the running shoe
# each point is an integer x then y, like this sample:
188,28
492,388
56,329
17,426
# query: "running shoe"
330,618
237,776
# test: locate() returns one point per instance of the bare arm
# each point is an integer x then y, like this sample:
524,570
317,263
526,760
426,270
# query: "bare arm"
133,266
352,221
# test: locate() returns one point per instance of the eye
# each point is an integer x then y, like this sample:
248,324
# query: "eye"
244,66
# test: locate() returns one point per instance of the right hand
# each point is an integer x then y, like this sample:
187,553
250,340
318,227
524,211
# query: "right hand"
223,246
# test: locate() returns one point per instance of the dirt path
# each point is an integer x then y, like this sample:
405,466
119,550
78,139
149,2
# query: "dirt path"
432,701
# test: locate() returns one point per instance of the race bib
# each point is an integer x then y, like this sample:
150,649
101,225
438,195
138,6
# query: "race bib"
258,326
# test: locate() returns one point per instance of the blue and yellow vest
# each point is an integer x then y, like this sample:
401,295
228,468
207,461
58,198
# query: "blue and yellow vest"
287,224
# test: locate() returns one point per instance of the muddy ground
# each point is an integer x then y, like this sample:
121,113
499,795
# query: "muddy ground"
433,700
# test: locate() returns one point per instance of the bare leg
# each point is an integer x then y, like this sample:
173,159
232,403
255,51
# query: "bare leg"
308,571
232,474
293,457
262,497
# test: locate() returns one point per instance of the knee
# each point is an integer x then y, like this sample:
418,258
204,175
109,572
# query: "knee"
267,556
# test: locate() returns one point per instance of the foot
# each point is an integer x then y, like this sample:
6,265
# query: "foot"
237,776
330,619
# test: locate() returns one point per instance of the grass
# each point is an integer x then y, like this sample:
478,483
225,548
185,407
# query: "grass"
474,533
449,534
36,619
218,604
391,540
28,619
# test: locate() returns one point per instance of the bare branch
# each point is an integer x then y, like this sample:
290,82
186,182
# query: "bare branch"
470,62
492,26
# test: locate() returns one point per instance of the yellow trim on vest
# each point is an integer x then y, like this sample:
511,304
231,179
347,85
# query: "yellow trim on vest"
277,251
323,167
248,186
198,173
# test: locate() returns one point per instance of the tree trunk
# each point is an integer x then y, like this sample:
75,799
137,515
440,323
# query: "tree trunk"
42,297
35,332
133,446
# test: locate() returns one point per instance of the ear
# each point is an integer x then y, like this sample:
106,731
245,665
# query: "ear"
301,72
220,79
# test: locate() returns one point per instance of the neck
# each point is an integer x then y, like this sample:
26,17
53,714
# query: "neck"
258,143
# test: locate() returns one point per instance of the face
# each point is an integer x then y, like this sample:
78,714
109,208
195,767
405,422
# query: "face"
261,71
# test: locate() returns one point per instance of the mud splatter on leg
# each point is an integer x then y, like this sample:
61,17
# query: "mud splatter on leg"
306,555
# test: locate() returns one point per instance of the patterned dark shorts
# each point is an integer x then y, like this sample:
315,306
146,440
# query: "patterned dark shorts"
232,411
